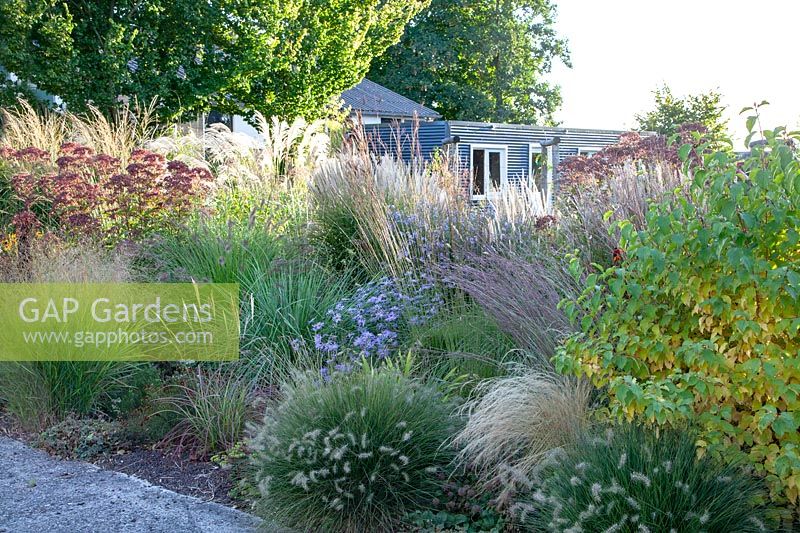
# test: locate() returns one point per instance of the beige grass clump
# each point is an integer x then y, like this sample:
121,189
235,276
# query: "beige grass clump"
518,421
284,153
23,127
127,128
117,135
49,261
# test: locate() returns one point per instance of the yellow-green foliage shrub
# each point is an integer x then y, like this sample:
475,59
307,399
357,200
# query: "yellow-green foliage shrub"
701,319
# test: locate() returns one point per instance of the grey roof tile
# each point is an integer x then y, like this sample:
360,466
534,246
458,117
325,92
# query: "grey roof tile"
369,98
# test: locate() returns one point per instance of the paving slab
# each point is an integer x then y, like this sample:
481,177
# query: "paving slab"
40,493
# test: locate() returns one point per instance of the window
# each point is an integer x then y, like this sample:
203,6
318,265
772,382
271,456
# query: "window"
538,167
488,165
588,151
215,117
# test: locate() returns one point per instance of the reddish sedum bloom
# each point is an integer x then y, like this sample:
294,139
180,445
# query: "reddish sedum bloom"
24,185
25,224
632,149
88,193
32,155
105,164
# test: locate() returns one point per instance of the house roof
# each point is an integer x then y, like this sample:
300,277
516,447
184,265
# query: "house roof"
369,98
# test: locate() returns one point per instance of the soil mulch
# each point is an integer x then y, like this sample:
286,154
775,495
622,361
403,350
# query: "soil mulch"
12,430
180,474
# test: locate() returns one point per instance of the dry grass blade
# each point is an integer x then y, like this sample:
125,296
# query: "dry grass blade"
127,128
117,136
23,126
522,296
519,420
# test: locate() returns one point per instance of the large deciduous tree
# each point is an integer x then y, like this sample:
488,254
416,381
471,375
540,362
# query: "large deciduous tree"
279,57
478,60
671,112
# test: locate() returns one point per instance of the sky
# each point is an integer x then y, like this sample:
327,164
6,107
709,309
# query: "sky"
622,50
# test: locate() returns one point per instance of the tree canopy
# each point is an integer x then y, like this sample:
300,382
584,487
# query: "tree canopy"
480,60
670,112
279,57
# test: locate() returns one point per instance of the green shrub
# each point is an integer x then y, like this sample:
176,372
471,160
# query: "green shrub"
74,438
633,479
354,454
701,319
140,383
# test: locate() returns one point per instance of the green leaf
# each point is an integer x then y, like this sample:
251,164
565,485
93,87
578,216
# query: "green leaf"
684,150
784,424
766,417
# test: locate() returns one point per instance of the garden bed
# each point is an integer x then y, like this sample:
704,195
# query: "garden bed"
409,362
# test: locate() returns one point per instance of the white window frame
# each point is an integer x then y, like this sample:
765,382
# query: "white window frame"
589,151
503,149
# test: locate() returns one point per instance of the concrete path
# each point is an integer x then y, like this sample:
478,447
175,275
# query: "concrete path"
41,494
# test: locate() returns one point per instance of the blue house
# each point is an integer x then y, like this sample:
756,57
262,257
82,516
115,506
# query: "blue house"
489,156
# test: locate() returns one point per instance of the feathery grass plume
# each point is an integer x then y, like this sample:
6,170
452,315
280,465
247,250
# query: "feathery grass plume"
180,144
640,480
354,454
589,210
128,128
357,197
518,420
24,126
212,407
521,295
284,154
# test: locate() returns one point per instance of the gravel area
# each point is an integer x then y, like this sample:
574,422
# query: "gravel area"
40,493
